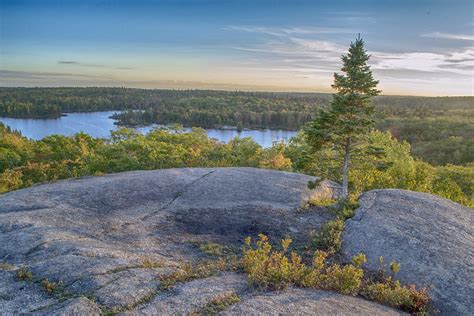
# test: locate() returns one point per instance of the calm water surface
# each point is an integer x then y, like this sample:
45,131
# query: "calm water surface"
98,124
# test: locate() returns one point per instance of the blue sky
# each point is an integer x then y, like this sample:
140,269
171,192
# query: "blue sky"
418,47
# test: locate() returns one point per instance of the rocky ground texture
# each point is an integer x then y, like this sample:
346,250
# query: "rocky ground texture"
111,243
432,239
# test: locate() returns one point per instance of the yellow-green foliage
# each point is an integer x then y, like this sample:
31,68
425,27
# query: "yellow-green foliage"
274,158
322,202
380,162
392,293
188,271
384,162
150,263
220,303
24,162
273,269
329,236
24,274
267,268
5,266
213,249
48,286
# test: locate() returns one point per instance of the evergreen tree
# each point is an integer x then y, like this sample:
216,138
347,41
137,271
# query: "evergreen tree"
349,117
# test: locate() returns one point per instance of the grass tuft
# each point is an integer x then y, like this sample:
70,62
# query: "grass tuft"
220,303
24,274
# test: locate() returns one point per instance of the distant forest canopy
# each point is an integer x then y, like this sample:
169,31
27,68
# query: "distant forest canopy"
440,129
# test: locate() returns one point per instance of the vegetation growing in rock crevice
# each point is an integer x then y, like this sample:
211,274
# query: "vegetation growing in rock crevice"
328,238
24,274
272,269
188,271
219,304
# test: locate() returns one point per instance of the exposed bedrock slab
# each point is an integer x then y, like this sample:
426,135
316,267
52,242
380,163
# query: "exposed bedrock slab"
307,302
190,297
94,234
432,238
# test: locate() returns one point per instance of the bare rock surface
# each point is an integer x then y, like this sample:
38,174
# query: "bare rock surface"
107,242
190,297
432,238
307,302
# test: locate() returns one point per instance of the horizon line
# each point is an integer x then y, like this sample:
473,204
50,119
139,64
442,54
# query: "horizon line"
244,90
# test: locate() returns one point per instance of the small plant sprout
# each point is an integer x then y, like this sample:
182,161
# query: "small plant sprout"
285,243
48,286
359,260
395,267
24,274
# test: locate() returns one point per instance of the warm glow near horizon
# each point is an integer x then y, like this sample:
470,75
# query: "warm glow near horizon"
236,45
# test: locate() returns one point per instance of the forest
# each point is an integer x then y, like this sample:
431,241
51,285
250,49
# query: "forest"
439,129
24,162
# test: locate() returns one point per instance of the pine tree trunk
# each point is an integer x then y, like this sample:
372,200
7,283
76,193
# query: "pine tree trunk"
345,170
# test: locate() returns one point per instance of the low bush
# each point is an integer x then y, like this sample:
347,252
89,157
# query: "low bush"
392,293
24,274
49,287
274,270
328,238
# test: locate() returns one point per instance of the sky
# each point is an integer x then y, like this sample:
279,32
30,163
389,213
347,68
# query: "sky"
422,47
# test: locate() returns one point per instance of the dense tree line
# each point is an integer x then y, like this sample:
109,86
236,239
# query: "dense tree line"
440,130
28,110
24,162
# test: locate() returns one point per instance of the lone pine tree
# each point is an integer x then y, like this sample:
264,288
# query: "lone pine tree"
349,117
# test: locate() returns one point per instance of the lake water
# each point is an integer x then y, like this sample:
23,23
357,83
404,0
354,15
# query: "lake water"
99,124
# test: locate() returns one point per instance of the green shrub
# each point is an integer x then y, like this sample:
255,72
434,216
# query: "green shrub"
345,280
24,274
392,293
48,286
269,269
274,270
346,209
329,236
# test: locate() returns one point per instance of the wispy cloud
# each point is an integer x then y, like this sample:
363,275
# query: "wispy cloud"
10,74
285,31
78,63
291,50
463,37
457,62
68,62
81,64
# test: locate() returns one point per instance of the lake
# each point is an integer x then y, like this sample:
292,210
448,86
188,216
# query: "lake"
99,124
